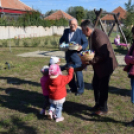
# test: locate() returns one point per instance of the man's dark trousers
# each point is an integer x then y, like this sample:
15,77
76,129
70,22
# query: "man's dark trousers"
100,86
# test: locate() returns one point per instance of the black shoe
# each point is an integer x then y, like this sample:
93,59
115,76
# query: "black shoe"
99,112
95,108
69,91
78,94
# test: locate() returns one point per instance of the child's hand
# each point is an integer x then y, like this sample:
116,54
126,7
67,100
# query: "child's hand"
70,68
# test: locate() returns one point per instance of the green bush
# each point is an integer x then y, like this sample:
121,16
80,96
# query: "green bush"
17,42
32,18
53,42
47,41
128,34
4,43
35,42
25,43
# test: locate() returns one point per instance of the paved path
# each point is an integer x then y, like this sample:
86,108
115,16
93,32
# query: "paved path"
60,54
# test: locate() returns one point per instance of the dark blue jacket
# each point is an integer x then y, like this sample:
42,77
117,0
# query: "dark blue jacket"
80,38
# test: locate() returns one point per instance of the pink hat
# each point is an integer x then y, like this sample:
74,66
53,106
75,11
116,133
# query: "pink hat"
54,70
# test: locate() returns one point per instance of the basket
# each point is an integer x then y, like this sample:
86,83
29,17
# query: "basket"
73,47
87,57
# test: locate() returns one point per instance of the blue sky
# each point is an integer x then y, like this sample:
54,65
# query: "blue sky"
46,5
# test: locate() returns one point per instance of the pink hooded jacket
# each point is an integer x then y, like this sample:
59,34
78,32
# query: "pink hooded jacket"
129,59
44,85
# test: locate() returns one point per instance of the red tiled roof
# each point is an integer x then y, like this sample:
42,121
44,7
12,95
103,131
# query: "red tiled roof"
14,4
117,10
58,15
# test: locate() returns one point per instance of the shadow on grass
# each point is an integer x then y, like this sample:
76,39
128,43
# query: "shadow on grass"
26,101
14,126
112,90
60,54
80,110
22,100
122,51
17,81
88,86
106,119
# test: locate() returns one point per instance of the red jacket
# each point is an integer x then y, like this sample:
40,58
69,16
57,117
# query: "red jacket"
57,86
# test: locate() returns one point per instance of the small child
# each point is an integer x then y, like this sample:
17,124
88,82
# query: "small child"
44,81
57,90
117,42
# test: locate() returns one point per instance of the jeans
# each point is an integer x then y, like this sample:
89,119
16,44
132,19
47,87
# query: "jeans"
57,108
132,91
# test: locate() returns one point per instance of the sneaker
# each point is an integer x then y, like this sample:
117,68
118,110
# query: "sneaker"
59,119
42,112
50,115
54,115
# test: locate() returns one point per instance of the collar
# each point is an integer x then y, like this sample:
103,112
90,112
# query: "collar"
92,33
72,31
53,77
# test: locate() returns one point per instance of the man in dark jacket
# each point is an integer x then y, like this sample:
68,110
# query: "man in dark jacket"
104,63
75,34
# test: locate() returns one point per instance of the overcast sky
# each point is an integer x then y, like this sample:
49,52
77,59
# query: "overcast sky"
46,5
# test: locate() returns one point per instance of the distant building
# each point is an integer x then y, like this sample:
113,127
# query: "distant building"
13,8
58,15
109,19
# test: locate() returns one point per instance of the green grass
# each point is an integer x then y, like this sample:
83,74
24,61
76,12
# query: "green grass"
20,103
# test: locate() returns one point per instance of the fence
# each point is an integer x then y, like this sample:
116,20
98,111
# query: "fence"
9,32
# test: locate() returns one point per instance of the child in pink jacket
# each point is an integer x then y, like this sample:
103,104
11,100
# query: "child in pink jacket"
44,81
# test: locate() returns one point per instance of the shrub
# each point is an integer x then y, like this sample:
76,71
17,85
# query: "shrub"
47,41
128,34
5,43
35,42
25,43
17,42
32,18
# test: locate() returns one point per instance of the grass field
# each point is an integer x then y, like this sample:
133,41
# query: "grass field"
21,100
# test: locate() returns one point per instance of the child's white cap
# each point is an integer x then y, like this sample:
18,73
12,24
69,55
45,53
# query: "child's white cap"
54,60
44,68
